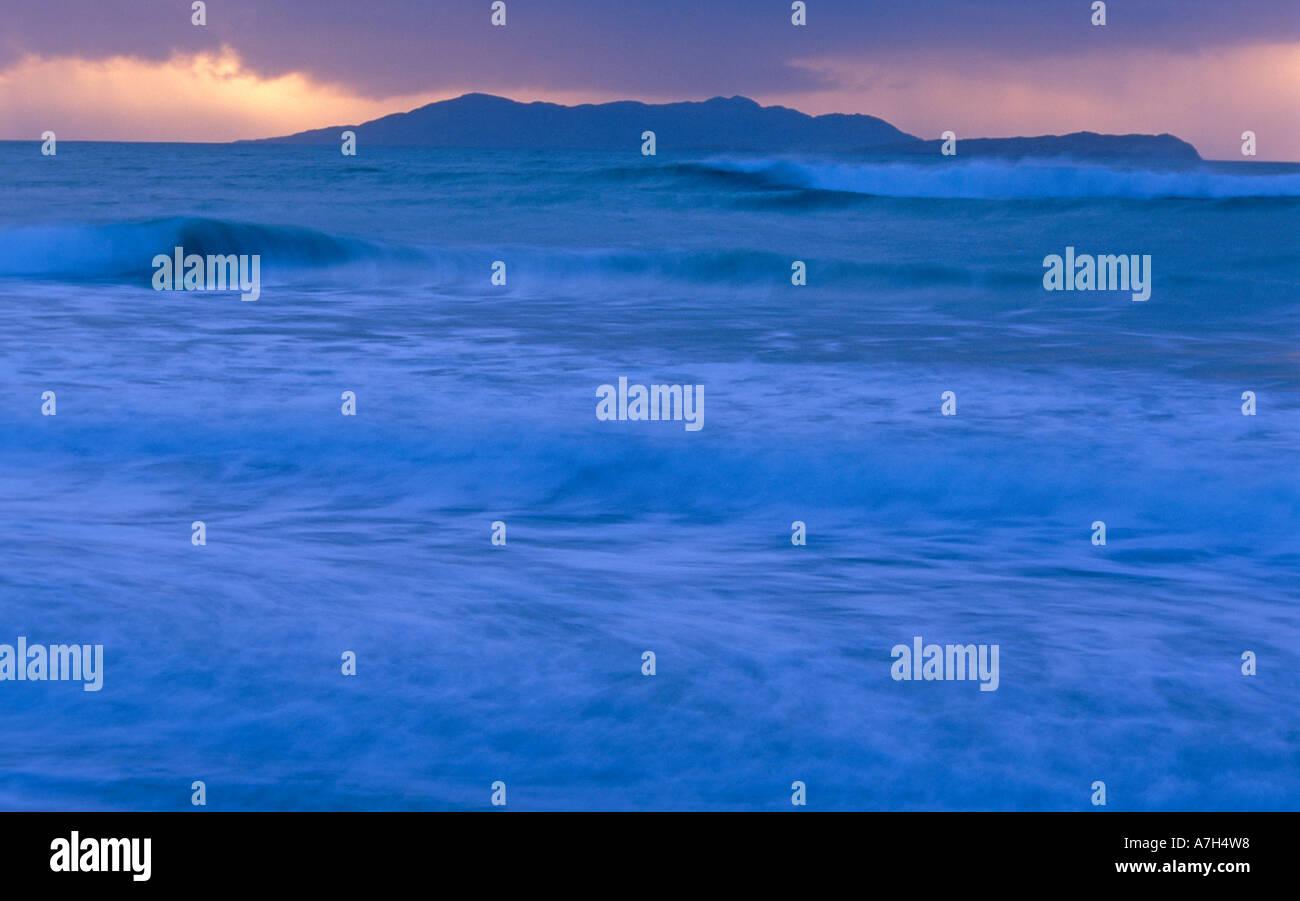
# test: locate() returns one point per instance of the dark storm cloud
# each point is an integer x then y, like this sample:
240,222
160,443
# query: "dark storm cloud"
650,47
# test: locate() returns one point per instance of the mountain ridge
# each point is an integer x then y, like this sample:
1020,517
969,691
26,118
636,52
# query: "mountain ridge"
736,123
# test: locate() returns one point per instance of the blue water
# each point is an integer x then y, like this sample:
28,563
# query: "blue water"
476,403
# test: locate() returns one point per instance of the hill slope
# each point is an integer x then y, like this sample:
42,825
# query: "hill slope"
723,123
736,123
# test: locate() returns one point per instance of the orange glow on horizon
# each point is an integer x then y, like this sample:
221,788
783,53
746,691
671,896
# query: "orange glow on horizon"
214,97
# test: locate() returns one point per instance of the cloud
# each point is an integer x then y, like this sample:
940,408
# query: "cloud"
1206,98
187,97
633,47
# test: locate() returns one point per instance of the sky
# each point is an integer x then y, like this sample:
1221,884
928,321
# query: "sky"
139,70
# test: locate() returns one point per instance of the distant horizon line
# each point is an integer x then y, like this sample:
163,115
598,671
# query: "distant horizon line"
629,100
270,143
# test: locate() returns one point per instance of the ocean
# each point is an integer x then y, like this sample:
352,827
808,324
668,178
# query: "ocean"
522,663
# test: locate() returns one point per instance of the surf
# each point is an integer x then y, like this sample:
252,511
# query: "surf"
984,179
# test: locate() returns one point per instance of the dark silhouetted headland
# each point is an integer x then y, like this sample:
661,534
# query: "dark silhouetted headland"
1079,145
735,123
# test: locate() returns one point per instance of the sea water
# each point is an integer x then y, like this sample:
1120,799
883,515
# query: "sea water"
476,403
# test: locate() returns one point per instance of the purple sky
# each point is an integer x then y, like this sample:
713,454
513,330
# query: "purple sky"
1204,70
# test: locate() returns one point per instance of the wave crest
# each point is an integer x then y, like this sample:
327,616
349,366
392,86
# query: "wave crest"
126,249
1002,179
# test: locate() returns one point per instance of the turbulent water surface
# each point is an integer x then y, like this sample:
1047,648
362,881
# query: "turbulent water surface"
476,403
